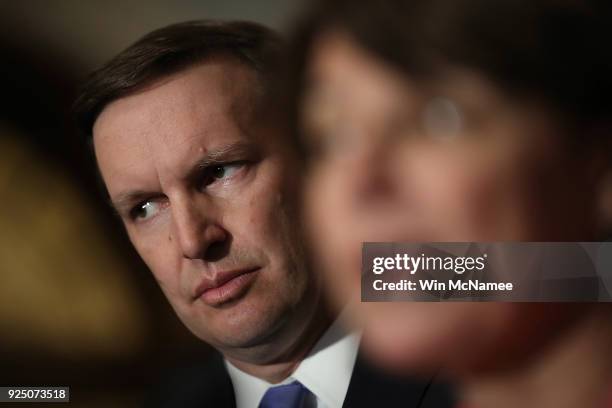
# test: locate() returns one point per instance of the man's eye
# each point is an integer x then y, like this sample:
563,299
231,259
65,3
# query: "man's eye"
223,172
145,210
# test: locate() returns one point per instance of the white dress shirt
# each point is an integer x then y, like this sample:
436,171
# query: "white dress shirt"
326,371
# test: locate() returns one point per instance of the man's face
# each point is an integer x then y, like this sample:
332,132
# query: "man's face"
204,196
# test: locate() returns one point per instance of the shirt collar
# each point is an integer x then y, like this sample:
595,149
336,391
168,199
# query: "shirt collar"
248,390
326,371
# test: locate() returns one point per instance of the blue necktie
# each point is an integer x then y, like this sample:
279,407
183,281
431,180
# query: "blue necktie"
285,396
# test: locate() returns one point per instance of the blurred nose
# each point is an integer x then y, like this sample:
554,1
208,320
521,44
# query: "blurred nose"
372,181
197,230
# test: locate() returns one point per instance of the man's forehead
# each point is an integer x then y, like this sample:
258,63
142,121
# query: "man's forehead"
218,85
205,107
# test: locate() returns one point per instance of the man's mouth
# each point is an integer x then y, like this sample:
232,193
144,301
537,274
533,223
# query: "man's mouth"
225,286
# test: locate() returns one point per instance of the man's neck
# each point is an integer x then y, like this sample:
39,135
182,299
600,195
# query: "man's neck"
285,364
575,372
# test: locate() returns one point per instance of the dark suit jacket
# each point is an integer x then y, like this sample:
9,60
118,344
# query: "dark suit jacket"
209,386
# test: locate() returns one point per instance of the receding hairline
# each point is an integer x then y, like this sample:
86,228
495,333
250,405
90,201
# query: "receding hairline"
169,50
255,93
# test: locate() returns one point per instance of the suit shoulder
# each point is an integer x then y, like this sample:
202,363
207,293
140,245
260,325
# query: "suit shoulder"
202,384
371,387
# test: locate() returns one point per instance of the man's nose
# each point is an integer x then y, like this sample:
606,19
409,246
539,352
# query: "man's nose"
196,228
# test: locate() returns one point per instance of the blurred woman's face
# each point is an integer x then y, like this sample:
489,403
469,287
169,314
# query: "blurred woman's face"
446,160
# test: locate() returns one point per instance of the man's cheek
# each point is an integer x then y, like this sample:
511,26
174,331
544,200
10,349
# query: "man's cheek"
272,217
145,244
166,279
159,261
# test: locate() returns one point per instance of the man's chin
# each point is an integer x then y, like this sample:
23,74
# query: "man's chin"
241,328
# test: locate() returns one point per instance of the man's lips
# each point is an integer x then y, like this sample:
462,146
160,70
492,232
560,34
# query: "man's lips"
225,286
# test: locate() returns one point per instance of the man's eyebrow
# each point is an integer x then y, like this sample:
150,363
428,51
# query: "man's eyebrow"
232,151
123,202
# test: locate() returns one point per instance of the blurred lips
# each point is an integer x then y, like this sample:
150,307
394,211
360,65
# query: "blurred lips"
225,286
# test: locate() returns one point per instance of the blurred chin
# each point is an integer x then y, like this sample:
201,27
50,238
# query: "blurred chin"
419,337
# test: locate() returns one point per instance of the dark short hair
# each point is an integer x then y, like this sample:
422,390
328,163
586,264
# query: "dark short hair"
555,50
169,50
